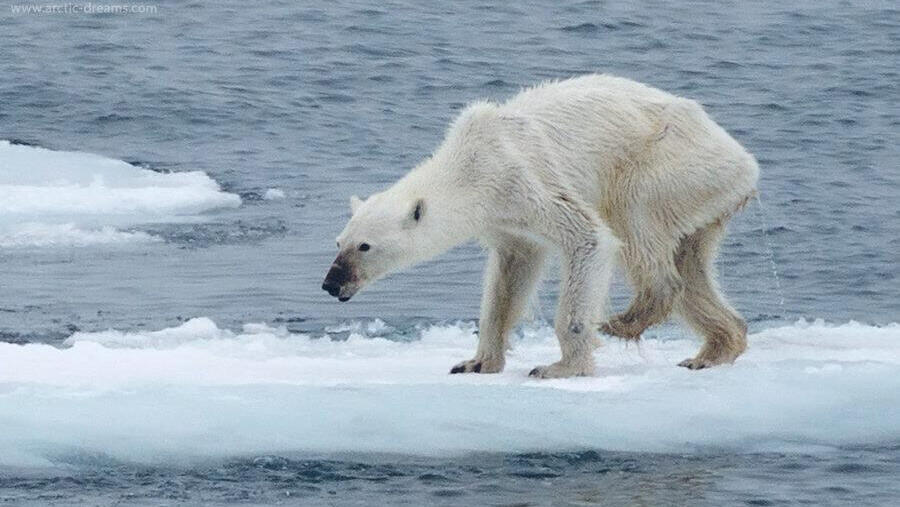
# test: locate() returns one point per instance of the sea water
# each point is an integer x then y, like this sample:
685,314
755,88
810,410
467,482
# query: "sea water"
172,183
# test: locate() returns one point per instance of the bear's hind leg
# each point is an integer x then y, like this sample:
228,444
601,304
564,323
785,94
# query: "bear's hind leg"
513,270
657,284
702,305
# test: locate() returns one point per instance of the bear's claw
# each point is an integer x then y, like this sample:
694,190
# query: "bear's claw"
692,363
703,361
461,368
562,370
477,366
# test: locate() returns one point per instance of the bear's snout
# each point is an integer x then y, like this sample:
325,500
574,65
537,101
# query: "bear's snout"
337,277
332,288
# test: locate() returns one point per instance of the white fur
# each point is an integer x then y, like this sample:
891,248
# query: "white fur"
588,167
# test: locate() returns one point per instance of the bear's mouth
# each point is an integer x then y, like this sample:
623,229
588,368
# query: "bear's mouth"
343,293
339,292
340,282
348,290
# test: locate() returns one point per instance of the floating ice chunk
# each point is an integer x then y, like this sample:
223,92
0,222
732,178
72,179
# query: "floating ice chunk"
273,194
197,390
43,235
75,198
191,331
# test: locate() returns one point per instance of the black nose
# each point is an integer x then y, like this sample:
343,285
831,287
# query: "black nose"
331,287
337,276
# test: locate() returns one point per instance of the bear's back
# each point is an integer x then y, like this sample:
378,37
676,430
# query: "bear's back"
598,90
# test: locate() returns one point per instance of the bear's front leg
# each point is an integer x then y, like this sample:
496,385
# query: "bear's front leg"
513,269
587,271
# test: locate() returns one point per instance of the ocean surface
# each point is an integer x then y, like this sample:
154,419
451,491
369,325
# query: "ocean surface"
171,184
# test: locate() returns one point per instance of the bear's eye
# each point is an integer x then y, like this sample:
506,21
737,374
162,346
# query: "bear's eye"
364,247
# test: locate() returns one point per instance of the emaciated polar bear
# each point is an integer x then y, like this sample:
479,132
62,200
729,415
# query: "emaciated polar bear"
598,168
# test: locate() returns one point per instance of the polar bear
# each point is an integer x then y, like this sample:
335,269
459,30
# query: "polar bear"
598,168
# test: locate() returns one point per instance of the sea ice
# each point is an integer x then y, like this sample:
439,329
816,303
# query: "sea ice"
197,390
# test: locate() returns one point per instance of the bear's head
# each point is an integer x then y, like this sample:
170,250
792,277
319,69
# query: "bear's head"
384,234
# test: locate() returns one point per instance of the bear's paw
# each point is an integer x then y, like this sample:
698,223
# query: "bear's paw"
704,360
696,363
478,366
623,327
561,369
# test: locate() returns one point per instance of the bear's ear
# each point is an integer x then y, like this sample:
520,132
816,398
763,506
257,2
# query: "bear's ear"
355,203
418,210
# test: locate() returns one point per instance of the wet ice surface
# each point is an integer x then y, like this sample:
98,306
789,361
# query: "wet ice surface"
363,411
263,390
229,139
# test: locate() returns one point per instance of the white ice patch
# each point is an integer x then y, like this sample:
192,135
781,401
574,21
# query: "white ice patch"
46,235
273,194
197,390
73,198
